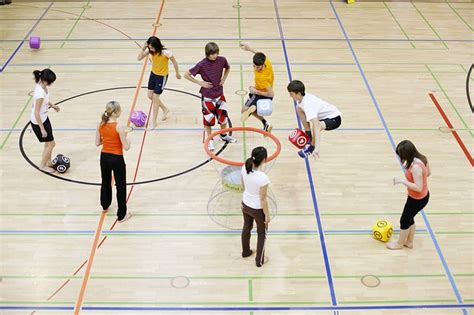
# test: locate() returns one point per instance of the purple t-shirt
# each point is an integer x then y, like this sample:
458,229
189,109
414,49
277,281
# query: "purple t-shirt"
211,71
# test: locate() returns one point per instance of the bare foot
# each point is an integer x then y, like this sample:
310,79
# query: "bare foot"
409,245
165,115
394,245
48,169
151,127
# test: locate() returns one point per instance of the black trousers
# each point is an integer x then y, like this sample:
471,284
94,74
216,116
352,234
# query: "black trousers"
113,163
251,214
411,209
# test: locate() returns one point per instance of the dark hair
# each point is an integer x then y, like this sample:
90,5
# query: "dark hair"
155,42
296,86
259,154
407,151
211,49
45,75
259,59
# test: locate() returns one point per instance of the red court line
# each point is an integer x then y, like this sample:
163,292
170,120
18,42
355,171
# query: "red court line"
450,126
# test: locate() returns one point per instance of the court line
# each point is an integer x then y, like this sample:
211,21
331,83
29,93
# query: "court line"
84,8
449,99
25,38
247,308
398,23
253,39
389,135
453,132
427,22
327,264
460,17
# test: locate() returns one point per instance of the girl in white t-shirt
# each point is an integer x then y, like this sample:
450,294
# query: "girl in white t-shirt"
39,115
315,114
254,203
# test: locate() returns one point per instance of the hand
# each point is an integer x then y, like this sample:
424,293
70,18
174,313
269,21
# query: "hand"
56,108
398,180
44,134
267,219
245,46
316,153
178,76
206,85
145,46
222,82
252,90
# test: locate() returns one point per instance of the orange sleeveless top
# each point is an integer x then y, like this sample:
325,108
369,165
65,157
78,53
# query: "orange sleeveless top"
409,176
110,139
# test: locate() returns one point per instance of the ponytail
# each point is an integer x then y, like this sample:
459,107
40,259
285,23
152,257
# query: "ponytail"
45,75
259,155
111,108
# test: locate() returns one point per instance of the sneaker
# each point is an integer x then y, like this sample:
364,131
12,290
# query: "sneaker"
246,114
127,216
228,138
306,152
210,145
268,127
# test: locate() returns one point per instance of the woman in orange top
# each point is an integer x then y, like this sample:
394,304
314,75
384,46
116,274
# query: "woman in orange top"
416,181
159,74
111,135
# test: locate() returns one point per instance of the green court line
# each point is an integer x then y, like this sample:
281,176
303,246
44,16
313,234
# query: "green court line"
427,22
16,122
249,278
456,12
399,25
250,285
449,99
75,23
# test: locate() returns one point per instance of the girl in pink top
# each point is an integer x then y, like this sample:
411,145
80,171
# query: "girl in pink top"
417,171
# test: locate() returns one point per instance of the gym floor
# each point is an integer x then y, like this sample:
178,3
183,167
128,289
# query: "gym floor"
396,70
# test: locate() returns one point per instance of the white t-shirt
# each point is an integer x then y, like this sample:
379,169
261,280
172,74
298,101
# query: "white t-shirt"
253,182
37,94
314,107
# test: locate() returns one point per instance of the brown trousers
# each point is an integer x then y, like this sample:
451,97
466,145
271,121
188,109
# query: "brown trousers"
251,214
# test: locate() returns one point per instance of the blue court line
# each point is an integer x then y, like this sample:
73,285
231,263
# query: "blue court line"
25,38
185,232
188,129
309,173
249,39
242,308
387,130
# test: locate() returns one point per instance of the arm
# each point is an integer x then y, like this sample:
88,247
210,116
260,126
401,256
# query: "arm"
316,131
204,84
54,106
98,138
242,182
123,137
264,202
417,178
38,104
143,52
176,68
268,91
247,47
224,77
429,169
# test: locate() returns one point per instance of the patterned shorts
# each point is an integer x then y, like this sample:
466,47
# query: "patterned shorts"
213,108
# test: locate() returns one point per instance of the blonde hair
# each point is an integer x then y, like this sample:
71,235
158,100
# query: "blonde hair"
111,108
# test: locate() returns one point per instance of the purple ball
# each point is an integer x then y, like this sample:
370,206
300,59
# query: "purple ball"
138,118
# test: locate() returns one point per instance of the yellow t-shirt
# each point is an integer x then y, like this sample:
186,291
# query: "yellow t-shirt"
160,62
264,78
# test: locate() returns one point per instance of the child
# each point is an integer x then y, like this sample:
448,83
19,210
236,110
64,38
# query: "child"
159,74
263,88
315,115
39,116
416,181
213,70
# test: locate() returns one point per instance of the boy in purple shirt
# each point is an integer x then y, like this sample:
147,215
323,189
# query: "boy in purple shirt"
214,70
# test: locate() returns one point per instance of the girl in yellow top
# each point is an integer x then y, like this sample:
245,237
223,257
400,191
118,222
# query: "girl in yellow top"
159,74
263,88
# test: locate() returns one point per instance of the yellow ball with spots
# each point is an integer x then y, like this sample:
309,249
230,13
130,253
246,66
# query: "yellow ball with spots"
382,230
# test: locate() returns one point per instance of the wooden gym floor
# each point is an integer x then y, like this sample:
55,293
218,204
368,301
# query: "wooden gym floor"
396,70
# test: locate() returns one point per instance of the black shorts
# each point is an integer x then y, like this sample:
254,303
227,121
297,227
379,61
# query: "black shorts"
157,83
253,99
47,127
332,123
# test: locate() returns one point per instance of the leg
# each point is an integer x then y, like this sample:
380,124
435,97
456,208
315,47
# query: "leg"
411,236
246,232
262,234
46,156
157,100
406,221
120,176
248,108
106,185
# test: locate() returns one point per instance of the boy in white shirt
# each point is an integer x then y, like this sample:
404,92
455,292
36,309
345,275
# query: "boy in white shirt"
315,114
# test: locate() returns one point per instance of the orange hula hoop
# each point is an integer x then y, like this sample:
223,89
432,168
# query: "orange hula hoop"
234,163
